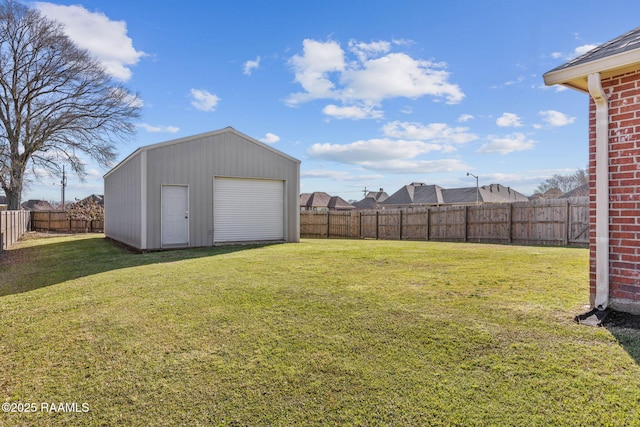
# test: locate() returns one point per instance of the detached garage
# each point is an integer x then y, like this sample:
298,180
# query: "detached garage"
213,188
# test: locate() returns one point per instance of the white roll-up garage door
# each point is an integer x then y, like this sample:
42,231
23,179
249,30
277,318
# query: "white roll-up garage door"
247,210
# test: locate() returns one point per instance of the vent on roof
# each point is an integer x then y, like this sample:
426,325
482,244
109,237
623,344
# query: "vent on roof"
418,184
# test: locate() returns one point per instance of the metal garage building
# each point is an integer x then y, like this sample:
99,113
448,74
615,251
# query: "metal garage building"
202,190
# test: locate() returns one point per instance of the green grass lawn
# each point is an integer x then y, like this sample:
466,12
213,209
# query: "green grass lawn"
324,332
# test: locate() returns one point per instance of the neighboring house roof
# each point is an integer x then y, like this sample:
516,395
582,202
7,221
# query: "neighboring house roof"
366,203
317,199
493,193
498,193
98,199
581,191
372,200
416,193
338,203
552,193
320,199
422,194
37,205
609,58
378,196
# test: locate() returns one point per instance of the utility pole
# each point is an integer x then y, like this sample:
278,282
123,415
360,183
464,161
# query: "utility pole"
477,188
63,182
365,191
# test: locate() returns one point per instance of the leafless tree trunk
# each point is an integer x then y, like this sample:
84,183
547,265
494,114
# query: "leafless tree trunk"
56,101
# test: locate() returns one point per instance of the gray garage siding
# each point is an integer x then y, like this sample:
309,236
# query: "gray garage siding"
123,194
135,185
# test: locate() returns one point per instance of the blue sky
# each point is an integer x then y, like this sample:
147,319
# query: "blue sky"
374,94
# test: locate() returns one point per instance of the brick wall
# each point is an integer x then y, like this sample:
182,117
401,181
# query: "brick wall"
624,191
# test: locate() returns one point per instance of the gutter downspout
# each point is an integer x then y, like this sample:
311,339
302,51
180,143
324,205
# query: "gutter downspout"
602,191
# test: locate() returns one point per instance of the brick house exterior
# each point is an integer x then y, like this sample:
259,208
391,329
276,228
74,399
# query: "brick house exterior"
610,74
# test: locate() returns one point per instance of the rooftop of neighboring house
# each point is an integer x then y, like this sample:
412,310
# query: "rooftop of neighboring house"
582,191
423,194
98,199
416,193
320,200
37,205
372,200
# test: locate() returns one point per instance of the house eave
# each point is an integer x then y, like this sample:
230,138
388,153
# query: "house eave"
576,76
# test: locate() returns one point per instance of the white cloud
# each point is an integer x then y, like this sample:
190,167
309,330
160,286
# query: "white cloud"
352,112
465,118
398,75
580,50
203,100
158,129
403,144
416,166
440,132
519,79
107,40
365,50
507,144
313,67
556,118
270,138
371,75
371,150
251,65
509,120
337,175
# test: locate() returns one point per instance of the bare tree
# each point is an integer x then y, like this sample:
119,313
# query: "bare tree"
564,183
56,101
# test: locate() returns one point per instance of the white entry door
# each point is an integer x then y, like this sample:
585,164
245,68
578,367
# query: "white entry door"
175,215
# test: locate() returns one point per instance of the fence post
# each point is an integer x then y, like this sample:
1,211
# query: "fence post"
567,223
510,224
428,223
377,225
466,221
400,224
328,223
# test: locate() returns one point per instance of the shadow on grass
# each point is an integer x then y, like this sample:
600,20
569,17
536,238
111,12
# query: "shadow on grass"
52,261
625,328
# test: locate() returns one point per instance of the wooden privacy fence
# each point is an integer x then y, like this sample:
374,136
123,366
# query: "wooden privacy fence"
561,222
13,224
59,221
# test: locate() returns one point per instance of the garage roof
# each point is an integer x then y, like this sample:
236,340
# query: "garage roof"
197,137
